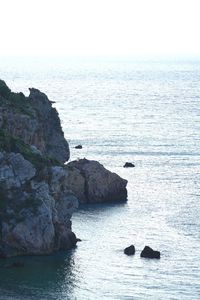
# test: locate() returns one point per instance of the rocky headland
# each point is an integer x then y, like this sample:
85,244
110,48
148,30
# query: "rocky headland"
38,192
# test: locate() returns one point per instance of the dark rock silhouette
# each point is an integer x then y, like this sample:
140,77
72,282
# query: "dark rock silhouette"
129,250
129,165
78,240
78,147
148,252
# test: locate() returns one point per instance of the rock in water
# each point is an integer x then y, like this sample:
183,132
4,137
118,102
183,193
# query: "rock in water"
78,240
129,165
78,147
38,193
35,208
148,252
129,250
92,183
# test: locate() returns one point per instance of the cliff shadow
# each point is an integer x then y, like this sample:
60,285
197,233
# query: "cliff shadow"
39,277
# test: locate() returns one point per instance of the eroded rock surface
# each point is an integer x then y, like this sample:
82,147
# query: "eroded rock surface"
35,210
91,182
33,120
38,193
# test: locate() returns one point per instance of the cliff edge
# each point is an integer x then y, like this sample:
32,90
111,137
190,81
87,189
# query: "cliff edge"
33,120
38,193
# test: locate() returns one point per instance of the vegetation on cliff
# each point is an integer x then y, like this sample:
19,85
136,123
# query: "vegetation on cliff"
38,193
15,101
35,204
9,143
34,121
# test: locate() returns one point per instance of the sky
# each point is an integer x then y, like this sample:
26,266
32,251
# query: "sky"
99,27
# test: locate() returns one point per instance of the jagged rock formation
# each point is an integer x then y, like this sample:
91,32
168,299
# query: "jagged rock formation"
35,208
35,204
38,193
33,120
91,182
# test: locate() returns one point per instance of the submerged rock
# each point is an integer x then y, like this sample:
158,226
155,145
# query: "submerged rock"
129,165
92,183
148,252
129,250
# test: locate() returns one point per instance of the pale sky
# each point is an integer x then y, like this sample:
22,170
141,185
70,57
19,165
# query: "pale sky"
99,27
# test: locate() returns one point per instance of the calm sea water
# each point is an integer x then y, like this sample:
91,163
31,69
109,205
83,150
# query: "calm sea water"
144,112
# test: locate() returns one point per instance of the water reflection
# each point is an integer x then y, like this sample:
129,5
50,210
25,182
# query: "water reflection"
42,277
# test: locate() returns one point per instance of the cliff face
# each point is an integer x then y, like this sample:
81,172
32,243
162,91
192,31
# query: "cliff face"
35,203
35,208
38,193
33,120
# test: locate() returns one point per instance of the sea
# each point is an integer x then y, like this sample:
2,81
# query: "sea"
144,111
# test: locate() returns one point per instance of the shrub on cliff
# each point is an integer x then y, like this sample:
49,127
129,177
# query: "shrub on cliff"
11,144
33,120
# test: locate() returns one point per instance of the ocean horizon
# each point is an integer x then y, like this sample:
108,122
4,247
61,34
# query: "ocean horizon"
145,111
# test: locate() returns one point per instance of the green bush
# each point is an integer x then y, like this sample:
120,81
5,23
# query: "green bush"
11,144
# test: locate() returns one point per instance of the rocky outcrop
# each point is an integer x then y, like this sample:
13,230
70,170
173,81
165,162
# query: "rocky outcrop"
148,252
78,147
129,165
38,193
91,182
33,120
129,250
35,210
35,204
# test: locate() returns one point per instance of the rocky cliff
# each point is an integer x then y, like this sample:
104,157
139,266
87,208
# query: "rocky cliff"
38,193
35,208
92,183
33,120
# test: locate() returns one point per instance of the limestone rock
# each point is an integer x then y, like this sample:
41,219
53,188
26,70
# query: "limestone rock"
52,134
35,211
33,120
15,170
94,183
76,182
38,194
